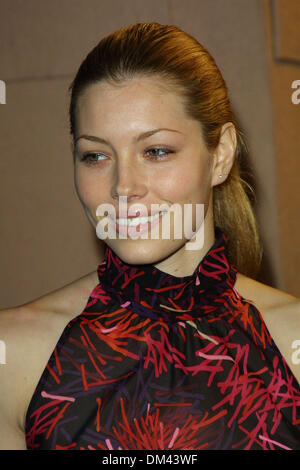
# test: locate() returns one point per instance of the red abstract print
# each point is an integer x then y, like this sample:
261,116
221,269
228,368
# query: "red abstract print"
168,363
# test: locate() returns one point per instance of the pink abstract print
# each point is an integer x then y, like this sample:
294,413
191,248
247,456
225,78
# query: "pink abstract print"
168,363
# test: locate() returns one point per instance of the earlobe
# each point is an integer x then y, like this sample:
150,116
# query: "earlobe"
222,175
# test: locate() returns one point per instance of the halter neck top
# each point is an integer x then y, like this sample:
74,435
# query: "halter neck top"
161,362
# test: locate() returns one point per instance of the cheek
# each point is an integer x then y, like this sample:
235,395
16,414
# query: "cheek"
184,184
187,185
88,188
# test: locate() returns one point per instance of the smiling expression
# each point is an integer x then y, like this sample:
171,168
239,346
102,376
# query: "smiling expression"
120,151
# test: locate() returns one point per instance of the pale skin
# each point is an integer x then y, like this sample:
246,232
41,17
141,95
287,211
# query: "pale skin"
188,175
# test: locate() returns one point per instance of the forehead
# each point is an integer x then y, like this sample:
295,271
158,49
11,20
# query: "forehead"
135,91
136,103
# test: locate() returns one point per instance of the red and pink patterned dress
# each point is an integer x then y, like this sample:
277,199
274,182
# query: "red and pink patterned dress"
162,362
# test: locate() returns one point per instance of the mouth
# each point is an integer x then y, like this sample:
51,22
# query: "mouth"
142,224
135,221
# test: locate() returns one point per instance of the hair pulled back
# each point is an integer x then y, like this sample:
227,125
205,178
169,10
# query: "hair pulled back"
184,66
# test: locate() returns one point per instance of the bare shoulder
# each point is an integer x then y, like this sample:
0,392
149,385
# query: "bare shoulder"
280,312
266,298
68,299
29,333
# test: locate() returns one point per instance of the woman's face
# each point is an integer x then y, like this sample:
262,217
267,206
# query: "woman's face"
132,165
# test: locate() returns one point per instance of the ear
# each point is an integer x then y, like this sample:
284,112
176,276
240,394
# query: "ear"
224,154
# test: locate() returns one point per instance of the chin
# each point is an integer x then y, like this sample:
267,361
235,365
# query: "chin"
144,251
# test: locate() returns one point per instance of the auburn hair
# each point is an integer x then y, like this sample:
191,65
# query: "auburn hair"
184,66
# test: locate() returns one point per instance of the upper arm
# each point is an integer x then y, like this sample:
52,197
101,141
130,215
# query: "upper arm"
280,312
30,335
11,434
11,437
283,322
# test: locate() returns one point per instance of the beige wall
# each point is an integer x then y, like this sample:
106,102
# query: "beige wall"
46,240
283,42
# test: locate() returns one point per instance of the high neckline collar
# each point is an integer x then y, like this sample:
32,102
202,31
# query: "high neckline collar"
153,289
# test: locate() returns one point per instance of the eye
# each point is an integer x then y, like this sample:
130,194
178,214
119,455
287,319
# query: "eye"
158,157
92,158
152,154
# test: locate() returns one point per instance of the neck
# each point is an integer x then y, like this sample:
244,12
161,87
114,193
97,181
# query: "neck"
184,262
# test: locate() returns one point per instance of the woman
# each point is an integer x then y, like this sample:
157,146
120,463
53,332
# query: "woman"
163,346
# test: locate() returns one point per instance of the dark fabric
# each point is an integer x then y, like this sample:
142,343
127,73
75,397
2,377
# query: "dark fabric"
157,361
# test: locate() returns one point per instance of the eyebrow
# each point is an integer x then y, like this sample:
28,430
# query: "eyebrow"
142,136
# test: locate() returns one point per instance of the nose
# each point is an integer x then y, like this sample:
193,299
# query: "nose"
128,181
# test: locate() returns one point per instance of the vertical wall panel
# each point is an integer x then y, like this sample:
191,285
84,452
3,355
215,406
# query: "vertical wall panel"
46,240
283,36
